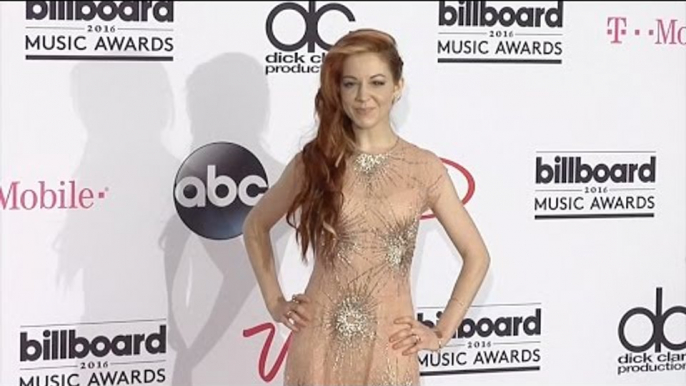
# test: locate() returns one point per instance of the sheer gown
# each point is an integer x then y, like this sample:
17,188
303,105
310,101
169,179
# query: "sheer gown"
355,302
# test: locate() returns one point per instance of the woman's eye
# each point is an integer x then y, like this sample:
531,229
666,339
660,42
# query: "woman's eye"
348,84
379,83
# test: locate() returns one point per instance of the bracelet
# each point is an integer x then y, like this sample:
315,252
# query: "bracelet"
460,302
439,335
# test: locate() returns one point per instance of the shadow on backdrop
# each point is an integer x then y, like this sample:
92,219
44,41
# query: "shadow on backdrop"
227,100
111,249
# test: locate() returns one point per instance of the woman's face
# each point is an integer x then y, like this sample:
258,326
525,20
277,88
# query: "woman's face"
368,90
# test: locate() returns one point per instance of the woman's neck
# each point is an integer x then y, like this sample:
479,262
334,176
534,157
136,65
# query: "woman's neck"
375,140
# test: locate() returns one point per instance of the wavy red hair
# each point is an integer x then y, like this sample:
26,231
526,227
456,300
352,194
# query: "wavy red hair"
324,157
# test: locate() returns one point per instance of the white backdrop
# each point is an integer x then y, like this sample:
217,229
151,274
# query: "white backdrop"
95,140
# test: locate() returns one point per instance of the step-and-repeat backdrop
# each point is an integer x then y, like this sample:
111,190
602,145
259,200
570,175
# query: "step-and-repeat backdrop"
137,135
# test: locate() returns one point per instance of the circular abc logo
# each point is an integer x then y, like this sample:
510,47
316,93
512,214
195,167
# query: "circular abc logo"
657,319
216,187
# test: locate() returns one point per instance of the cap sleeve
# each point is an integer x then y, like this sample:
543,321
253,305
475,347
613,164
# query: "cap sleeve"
437,178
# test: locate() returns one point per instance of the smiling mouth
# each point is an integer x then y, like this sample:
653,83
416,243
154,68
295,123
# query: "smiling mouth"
364,110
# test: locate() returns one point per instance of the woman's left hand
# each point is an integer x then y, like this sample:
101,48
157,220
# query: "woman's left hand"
414,337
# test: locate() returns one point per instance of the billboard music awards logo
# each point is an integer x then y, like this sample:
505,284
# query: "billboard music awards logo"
660,31
302,51
500,32
654,338
45,196
500,338
99,30
93,354
215,188
594,184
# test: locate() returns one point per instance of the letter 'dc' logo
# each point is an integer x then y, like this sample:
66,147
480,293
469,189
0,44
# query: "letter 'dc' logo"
657,320
311,17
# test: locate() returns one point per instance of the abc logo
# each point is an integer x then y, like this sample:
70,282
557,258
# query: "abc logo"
216,187
311,17
657,318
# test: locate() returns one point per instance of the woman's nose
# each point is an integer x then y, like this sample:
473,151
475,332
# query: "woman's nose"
362,92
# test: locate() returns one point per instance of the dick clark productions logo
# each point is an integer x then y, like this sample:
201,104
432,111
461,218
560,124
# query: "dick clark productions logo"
658,349
287,59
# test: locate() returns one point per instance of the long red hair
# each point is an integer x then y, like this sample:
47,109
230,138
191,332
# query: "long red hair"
324,157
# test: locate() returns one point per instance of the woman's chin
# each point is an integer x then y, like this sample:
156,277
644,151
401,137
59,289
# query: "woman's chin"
365,124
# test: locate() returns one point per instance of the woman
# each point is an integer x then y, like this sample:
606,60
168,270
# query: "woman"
359,191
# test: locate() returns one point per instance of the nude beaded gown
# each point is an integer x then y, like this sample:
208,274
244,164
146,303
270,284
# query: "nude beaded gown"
355,302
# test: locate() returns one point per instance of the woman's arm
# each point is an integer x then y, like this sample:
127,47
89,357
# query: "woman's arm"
450,212
443,200
256,235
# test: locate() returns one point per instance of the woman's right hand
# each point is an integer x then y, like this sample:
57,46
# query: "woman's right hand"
294,313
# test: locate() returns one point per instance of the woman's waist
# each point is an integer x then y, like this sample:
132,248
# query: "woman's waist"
380,304
359,288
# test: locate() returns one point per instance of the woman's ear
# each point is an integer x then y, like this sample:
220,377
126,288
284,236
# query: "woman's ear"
398,90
